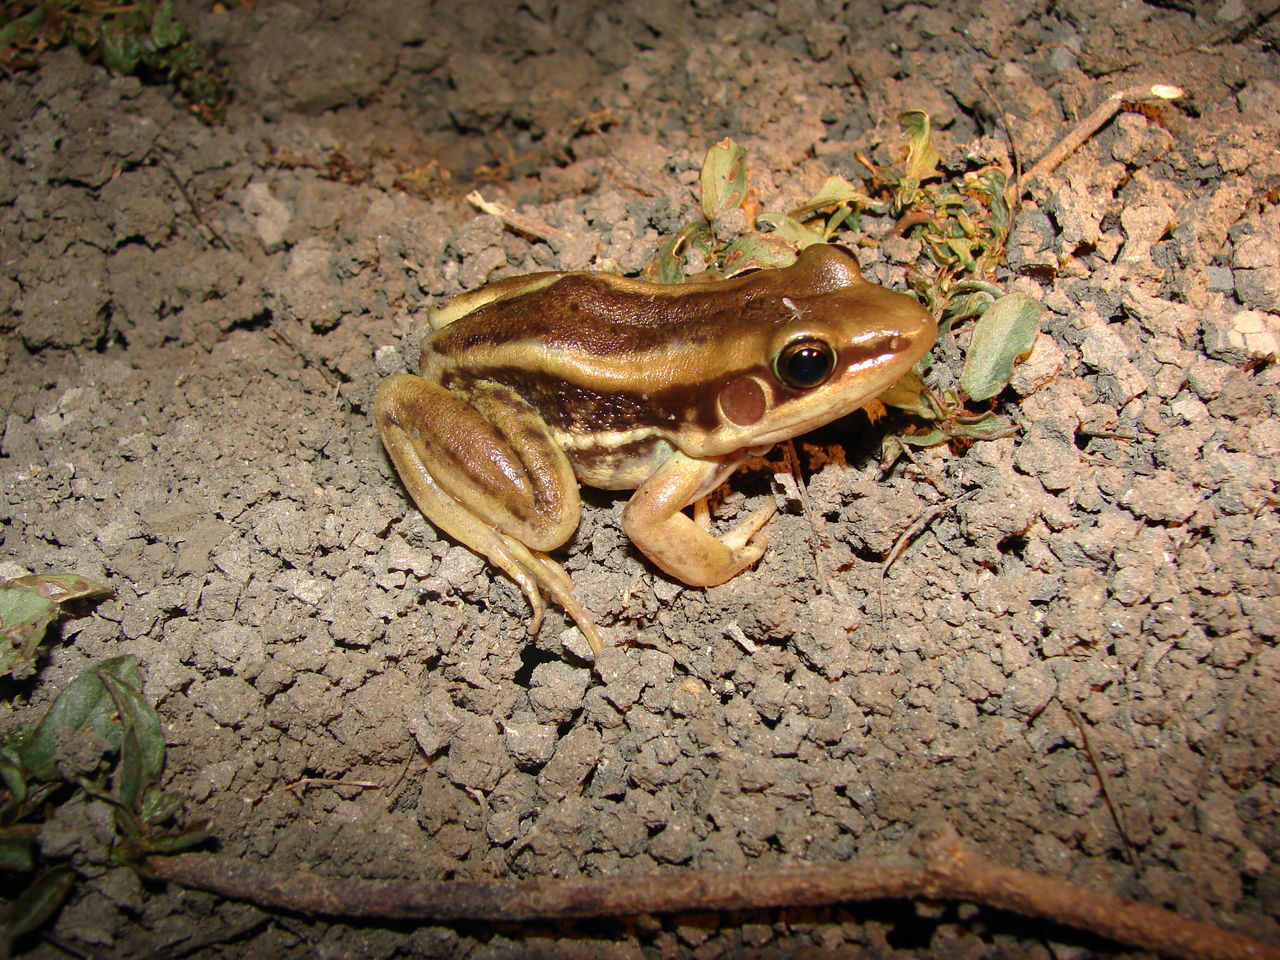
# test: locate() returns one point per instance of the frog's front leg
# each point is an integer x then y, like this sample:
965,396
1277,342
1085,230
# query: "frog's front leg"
486,471
681,546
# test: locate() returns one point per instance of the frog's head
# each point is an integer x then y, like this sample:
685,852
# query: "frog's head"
815,342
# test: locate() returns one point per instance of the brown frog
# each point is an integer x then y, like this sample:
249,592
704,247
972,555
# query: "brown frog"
532,385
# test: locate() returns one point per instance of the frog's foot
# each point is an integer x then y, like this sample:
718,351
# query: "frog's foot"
682,546
535,573
702,515
743,537
556,583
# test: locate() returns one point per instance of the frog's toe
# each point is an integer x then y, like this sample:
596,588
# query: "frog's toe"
746,537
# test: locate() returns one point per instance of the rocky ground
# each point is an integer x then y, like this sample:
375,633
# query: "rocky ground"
195,320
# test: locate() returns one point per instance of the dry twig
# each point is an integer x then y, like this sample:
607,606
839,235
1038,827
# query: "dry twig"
1092,123
940,869
517,221
1105,782
299,787
796,477
915,529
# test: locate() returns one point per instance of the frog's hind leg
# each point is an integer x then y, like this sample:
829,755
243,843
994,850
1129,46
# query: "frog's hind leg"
494,482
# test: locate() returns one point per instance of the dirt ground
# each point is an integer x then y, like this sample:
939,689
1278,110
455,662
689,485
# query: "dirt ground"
195,319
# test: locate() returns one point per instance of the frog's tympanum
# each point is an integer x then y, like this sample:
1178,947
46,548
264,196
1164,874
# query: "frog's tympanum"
532,385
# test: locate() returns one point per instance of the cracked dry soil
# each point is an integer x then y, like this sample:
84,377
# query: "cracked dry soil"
195,320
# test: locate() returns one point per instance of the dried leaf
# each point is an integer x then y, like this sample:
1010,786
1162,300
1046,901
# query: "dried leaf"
922,156
62,587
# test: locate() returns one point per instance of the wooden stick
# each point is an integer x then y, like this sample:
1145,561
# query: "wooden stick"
1092,123
940,868
517,221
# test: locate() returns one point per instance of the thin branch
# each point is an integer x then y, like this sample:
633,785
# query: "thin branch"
915,529
940,869
1092,123
1229,713
299,787
1105,782
217,240
517,221
816,531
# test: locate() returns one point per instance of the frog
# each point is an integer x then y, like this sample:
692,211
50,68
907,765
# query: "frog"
531,386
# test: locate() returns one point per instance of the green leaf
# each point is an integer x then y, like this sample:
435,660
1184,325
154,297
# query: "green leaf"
17,850
991,183
966,306
121,48
963,248
890,450
837,190
791,230
158,806
1002,336
893,446
166,29
15,782
23,27
929,438
38,902
724,178
173,841
141,747
84,705
922,156
838,217
28,605
910,394
668,265
992,290
991,427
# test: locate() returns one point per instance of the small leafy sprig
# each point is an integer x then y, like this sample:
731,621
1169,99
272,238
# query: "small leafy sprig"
100,740
142,37
963,225
724,190
1002,335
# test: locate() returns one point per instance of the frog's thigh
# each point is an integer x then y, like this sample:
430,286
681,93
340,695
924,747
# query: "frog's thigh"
677,544
499,467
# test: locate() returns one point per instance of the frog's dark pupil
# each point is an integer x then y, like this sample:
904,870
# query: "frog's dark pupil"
805,364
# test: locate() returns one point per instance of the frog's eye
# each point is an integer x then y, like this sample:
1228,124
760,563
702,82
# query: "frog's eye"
805,363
